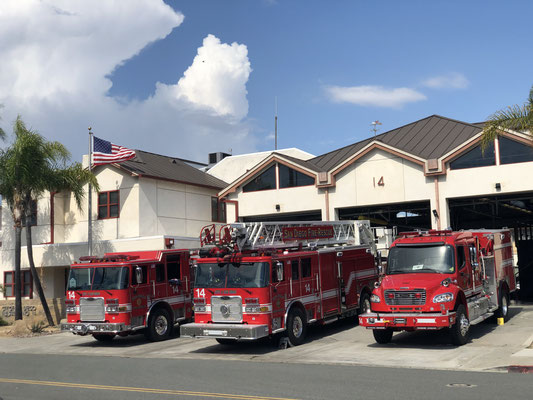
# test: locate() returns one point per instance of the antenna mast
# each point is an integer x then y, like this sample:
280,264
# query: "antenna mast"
375,126
276,123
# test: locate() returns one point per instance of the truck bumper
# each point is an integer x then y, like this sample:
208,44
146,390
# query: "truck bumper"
224,331
407,321
87,328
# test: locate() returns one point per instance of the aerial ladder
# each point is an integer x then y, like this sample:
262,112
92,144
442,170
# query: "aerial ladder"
268,235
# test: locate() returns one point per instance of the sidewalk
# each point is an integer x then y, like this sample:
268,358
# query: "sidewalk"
491,348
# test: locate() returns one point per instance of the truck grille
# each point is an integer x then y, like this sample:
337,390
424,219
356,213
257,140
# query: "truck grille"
226,309
416,297
92,309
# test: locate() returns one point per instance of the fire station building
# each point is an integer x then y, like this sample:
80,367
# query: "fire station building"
429,174
151,202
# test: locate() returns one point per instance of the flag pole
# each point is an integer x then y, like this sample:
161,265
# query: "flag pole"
90,216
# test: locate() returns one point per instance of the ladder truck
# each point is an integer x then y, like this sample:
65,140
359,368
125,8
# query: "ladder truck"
258,279
443,279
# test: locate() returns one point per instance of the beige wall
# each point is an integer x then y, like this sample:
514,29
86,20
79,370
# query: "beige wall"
150,210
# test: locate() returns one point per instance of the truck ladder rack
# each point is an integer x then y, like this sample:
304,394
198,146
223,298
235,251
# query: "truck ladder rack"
261,235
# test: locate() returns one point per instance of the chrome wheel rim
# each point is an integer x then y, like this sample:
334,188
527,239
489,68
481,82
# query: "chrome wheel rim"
297,326
161,325
366,306
464,324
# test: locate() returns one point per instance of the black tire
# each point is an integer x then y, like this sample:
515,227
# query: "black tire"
364,304
503,302
296,327
459,330
103,337
383,336
159,326
226,342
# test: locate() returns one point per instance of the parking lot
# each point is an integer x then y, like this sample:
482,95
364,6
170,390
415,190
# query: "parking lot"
491,347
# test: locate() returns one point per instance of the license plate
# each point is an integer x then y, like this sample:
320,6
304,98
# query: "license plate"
215,333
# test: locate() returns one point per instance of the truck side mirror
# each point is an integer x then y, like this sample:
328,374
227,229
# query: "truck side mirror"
279,271
138,275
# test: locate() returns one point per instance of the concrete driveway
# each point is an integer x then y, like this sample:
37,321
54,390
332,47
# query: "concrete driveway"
491,347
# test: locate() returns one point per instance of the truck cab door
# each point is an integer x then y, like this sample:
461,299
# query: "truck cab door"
295,282
158,281
464,275
140,295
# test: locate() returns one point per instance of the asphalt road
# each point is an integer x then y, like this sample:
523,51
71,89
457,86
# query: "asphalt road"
43,377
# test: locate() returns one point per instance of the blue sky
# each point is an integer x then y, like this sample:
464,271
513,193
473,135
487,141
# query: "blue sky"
334,67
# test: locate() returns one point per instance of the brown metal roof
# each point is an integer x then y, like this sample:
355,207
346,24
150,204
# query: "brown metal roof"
428,138
169,168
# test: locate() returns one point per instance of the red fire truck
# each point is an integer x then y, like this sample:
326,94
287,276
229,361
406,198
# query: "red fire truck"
443,279
124,293
259,279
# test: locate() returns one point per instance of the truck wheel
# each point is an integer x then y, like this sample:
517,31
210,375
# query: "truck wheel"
503,311
159,326
103,337
296,327
364,306
459,330
382,336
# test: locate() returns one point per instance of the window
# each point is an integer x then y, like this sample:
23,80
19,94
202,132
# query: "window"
475,158
26,283
294,268
306,267
108,204
461,259
263,181
160,273
289,177
33,214
514,152
173,267
218,210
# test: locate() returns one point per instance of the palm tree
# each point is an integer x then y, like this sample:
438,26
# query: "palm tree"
29,168
516,117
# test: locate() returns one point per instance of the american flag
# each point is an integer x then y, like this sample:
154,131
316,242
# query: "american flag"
105,152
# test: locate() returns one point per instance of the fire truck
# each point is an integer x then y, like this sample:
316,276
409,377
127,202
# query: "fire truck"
443,279
263,278
126,293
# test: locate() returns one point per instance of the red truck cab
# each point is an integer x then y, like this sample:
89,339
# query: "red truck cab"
442,279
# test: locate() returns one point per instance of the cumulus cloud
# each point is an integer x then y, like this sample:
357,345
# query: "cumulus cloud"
453,80
217,78
57,59
376,96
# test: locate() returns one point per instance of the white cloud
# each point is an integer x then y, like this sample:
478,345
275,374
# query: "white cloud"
57,57
217,78
376,96
453,80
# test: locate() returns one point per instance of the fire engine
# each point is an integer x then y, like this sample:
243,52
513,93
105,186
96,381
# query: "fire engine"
263,278
126,293
443,279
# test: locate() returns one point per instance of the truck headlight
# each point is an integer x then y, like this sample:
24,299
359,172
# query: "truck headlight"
443,298
375,298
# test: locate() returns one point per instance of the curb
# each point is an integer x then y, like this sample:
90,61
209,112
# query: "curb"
522,369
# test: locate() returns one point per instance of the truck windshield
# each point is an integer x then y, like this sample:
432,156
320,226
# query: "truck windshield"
421,259
232,275
98,278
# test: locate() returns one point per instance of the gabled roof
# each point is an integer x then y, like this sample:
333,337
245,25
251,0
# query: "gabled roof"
156,166
428,138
